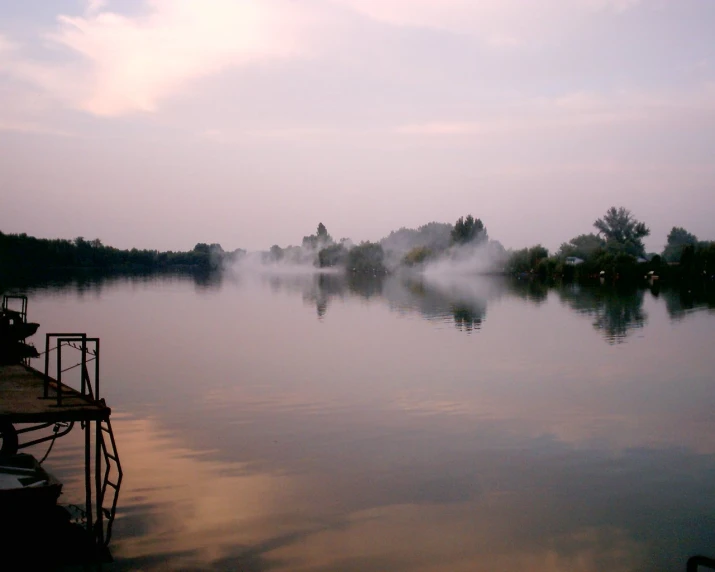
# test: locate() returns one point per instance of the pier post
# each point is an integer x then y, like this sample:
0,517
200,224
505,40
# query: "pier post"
88,473
98,479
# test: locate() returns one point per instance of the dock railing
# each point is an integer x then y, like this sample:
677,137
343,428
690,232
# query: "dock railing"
89,352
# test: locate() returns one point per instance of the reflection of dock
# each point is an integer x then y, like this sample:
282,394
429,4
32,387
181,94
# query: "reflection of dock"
40,407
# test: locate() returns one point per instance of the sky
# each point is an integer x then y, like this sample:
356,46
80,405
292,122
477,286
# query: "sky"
163,123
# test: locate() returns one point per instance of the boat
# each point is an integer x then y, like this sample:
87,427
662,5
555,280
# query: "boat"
13,332
15,352
13,328
25,487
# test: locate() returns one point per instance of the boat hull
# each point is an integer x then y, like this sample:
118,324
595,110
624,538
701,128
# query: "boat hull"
26,489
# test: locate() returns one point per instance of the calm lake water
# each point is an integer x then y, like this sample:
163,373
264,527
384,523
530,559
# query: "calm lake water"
301,422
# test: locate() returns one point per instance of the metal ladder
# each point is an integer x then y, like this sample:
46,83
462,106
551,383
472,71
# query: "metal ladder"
111,460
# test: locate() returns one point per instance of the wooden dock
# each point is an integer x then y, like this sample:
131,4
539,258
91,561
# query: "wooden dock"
21,399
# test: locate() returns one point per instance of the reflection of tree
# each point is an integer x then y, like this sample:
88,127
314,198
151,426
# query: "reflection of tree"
529,289
615,311
465,302
365,285
680,303
466,308
466,318
208,280
94,281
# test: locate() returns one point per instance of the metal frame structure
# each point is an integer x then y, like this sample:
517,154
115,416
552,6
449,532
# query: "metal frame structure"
23,300
105,450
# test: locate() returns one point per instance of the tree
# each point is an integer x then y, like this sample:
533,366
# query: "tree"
319,240
366,257
582,246
678,239
526,259
622,232
276,253
468,230
417,255
333,255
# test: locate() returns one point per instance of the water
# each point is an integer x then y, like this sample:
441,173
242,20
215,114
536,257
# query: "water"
308,423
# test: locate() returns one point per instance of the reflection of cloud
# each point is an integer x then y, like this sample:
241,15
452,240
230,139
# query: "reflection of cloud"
406,501
465,538
192,507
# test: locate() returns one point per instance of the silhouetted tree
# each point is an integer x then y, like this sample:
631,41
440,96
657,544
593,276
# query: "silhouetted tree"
276,253
582,246
526,259
366,257
623,233
319,240
678,238
333,255
469,230
19,252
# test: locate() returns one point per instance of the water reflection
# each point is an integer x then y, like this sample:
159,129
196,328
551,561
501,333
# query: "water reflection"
84,282
379,437
615,311
406,502
683,301
531,290
463,301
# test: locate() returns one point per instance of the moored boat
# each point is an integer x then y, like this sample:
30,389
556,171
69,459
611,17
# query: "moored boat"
25,486
14,328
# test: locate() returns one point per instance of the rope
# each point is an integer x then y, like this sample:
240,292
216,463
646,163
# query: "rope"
77,365
50,350
78,347
90,352
52,442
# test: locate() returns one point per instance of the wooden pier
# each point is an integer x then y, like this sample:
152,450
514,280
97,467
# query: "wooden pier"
22,399
33,401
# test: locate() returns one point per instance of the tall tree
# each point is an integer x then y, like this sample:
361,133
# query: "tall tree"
320,239
622,232
469,229
678,239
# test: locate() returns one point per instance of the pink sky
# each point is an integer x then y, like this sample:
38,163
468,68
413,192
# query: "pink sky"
162,123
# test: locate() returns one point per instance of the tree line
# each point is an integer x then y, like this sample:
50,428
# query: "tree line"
20,252
615,250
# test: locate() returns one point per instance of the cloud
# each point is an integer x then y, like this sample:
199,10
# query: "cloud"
574,110
6,46
125,64
500,23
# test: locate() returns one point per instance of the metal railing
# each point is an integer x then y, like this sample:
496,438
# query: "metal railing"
89,352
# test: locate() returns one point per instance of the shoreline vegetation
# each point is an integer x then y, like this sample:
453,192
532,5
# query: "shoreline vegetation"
615,253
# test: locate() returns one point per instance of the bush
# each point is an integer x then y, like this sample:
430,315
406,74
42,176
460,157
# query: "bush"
366,257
